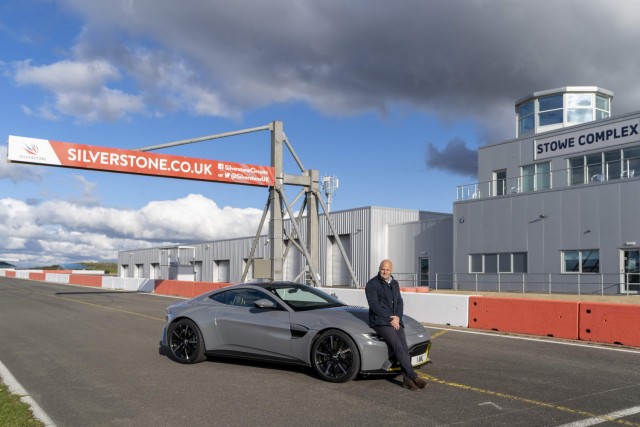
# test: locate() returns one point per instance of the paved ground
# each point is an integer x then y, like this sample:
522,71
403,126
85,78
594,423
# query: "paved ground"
91,357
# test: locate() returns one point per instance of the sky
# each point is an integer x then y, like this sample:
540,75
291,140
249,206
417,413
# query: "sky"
392,98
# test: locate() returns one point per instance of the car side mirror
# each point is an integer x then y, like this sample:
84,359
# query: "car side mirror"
265,303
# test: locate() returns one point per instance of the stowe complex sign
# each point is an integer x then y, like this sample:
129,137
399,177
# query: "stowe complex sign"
65,154
599,137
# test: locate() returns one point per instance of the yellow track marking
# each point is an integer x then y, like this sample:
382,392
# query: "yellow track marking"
103,307
523,400
438,334
92,304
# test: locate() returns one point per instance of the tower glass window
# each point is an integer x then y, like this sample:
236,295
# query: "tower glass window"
562,107
550,110
526,119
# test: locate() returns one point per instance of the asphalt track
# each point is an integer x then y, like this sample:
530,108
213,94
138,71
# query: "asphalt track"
90,357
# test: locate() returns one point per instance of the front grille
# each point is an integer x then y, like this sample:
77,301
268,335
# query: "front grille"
418,349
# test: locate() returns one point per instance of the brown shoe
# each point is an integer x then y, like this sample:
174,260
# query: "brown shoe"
410,385
419,382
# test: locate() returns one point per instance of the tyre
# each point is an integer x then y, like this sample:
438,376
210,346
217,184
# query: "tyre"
185,342
335,357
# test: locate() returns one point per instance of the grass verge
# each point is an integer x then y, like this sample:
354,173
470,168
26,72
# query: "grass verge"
15,413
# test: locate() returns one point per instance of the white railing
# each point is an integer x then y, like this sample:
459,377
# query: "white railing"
547,283
590,174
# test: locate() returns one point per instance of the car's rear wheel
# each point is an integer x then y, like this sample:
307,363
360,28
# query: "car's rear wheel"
185,342
335,357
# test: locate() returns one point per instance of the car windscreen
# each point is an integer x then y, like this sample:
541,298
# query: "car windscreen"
301,297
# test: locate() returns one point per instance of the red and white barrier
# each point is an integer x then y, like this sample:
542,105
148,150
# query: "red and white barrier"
587,321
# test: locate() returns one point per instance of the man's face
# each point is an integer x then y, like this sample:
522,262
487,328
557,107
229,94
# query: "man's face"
385,270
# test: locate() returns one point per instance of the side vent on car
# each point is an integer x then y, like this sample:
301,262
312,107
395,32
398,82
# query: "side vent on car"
298,331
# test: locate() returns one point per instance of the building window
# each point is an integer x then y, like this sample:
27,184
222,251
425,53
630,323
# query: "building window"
576,170
631,162
612,164
550,110
475,263
491,263
536,177
603,166
603,107
520,262
498,263
583,261
526,117
595,170
579,107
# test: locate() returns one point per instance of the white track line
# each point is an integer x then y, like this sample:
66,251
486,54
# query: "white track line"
604,418
16,388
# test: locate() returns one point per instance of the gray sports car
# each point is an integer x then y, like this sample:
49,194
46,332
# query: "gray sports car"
285,322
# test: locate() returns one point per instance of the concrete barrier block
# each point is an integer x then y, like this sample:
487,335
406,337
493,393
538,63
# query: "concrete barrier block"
610,323
57,278
439,309
452,310
93,281
557,319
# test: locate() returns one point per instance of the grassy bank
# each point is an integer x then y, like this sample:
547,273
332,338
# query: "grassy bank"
15,413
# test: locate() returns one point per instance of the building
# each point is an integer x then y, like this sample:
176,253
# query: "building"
556,209
419,242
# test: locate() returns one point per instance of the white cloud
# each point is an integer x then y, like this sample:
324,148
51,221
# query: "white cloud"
79,89
17,172
67,76
67,231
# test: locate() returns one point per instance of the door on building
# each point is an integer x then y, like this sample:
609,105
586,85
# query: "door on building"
424,272
197,270
632,270
337,270
500,182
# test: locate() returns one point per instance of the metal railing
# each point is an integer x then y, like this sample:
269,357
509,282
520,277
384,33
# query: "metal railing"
568,177
545,283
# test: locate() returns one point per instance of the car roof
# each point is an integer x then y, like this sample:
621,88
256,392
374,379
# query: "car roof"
274,284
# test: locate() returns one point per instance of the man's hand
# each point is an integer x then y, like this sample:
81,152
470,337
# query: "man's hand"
395,322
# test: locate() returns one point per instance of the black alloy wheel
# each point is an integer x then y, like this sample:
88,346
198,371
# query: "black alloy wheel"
335,357
185,342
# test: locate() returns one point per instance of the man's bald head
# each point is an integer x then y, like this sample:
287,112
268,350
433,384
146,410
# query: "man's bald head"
386,268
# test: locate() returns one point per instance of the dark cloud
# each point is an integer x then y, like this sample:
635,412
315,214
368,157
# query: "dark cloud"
454,157
458,60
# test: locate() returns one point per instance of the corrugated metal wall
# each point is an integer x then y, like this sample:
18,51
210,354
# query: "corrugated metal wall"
363,232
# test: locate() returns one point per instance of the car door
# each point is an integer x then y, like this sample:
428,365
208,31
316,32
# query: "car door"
244,328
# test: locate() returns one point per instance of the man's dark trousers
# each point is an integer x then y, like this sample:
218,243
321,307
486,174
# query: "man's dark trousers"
397,342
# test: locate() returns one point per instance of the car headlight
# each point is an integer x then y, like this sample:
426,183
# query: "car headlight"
373,336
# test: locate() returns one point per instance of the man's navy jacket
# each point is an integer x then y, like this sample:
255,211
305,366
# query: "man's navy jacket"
384,301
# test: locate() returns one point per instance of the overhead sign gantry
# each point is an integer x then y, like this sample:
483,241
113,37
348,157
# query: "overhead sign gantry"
140,162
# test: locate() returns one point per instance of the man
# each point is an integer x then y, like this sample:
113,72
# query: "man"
385,317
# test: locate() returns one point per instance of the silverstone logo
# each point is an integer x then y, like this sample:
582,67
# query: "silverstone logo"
31,149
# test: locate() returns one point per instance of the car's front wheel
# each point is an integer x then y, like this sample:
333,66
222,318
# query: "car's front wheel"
335,357
185,342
